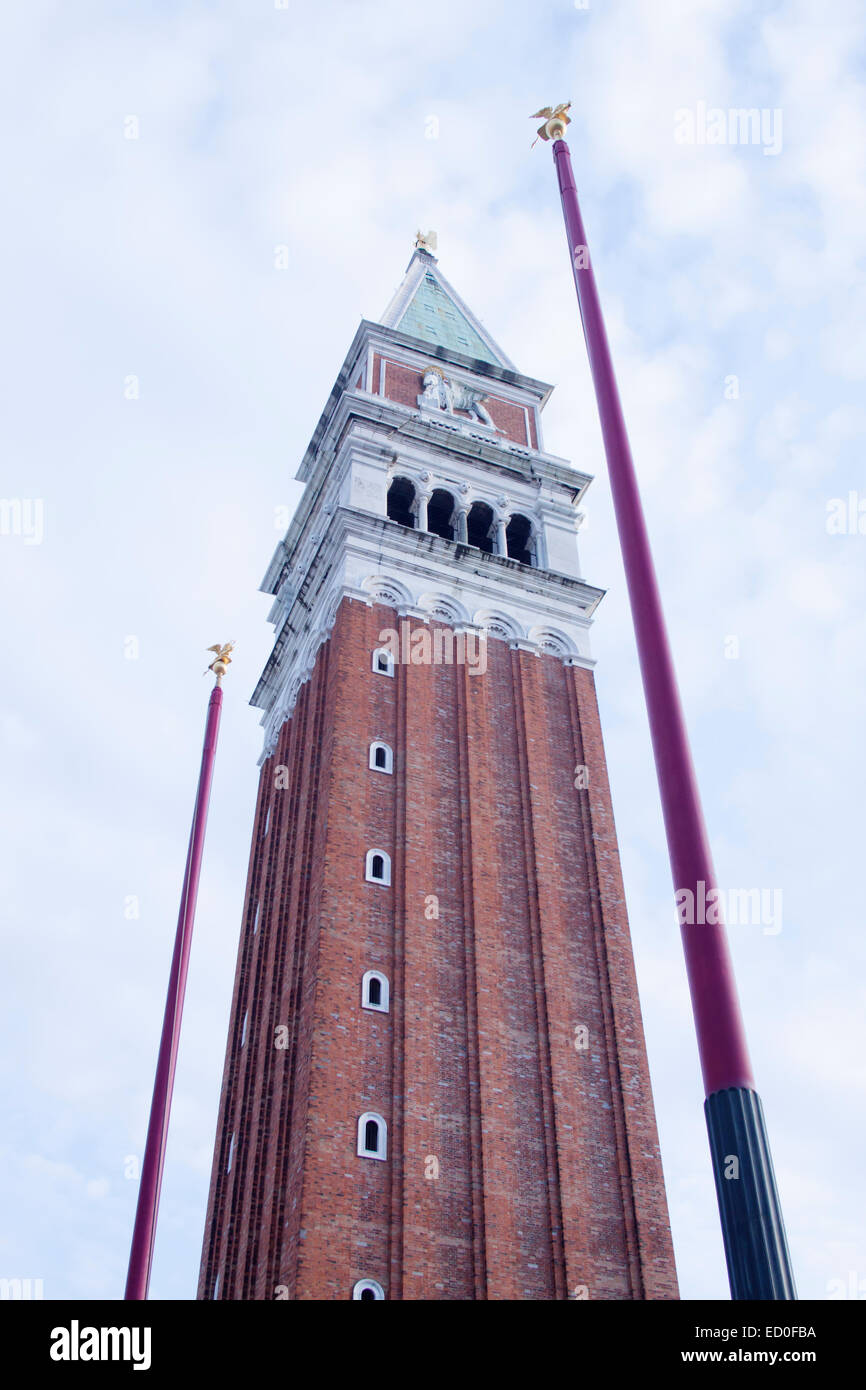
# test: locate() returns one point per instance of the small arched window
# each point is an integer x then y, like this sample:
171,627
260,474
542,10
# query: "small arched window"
368,1288
383,662
245,1028
374,991
381,757
372,1136
378,867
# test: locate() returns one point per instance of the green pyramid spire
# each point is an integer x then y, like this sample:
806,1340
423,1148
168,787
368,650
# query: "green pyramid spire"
427,307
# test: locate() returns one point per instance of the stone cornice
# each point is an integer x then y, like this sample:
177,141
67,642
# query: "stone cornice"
369,558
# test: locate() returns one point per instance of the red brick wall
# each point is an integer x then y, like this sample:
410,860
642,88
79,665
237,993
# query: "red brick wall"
549,1171
403,384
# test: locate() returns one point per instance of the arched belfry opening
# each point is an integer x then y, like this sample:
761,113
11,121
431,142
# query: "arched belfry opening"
440,510
479,527
518,539
401,497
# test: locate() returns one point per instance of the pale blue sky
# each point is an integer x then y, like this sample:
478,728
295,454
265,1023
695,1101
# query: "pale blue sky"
309,128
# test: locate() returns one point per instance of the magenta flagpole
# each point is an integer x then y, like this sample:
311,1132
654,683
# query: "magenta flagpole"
755,1244
144,1231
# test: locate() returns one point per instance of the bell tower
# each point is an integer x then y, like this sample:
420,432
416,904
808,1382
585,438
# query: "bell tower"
435,1083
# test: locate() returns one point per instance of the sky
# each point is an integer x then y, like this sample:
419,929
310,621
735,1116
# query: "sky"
203,200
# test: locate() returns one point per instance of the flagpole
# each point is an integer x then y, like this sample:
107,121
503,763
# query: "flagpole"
756,1249
144,1231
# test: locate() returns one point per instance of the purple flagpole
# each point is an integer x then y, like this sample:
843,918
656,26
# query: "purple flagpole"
755,1245
144,1231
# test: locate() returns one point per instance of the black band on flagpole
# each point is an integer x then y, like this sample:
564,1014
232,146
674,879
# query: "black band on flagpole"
759,1265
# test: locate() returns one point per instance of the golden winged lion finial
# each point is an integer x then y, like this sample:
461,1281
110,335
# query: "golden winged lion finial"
556,118
220,665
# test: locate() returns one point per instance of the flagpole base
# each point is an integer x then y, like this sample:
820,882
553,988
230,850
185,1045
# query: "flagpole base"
756,1250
